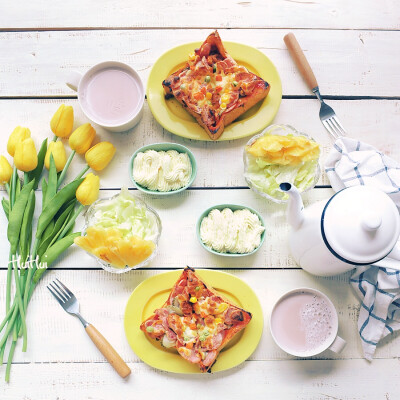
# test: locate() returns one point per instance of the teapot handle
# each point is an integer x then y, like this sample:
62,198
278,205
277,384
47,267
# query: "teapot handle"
395,253
392,260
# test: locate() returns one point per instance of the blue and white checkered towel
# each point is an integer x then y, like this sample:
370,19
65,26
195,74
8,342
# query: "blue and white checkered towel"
351,163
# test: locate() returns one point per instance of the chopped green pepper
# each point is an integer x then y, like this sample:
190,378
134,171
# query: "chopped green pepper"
149,329
204,335
207,79
234,83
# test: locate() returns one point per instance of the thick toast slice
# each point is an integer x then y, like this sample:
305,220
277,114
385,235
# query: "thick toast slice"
213,88
196,320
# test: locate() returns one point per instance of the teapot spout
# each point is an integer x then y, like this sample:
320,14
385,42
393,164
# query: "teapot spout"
295,215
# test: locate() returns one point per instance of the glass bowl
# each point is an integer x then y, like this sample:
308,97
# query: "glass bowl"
282,130
233,207
164,147
90,219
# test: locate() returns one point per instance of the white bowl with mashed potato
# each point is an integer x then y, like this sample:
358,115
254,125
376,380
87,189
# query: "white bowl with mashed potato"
162,168
231,230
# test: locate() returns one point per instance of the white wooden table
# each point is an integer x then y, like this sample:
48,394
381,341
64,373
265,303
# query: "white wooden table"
353,48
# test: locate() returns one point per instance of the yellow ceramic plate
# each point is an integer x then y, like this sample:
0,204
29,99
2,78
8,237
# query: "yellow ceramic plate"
152,294
173,117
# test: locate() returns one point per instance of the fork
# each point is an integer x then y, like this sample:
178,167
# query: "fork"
70,304
327,116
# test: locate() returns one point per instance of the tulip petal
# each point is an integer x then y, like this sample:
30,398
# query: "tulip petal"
100,155
25,157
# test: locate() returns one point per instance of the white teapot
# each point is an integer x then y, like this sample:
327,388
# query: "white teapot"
357,226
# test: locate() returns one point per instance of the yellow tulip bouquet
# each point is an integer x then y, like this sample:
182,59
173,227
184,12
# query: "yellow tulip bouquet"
31,254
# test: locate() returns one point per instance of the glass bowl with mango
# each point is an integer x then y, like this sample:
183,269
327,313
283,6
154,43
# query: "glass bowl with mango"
121,232
281,154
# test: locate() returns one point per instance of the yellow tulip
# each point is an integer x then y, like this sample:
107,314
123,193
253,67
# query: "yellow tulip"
18,134
88,191
25,157
5,170
99,156
82,138
58,151
62,122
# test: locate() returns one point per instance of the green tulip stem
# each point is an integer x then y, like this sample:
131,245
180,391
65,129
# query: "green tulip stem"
65,169
9,361
20,305
8,315
83,172
13,187
26,178
8,287
55,138
2,350
30,274
7,186
71,221
10,325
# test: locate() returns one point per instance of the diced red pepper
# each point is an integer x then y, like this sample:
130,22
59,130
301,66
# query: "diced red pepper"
218,88
218,78
198,96
203,90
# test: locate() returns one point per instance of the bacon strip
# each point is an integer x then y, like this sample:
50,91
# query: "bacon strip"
210,358
194,356
228,65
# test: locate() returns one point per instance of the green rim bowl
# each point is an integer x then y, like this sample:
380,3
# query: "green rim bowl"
164,147
233,207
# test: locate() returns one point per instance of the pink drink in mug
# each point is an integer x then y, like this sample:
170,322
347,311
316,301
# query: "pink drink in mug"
304,323
111,94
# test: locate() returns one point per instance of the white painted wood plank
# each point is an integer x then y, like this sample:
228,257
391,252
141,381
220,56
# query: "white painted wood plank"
355,63
284,380
338,14
375,121
178,245
55,336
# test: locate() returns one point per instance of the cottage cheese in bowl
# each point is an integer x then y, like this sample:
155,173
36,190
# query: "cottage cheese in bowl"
162,168
228,231
163,171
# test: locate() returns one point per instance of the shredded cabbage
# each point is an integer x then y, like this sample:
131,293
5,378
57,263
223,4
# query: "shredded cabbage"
266,177
123,212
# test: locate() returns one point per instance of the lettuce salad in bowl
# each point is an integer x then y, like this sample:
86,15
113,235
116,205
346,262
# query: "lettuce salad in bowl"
281,154
121,232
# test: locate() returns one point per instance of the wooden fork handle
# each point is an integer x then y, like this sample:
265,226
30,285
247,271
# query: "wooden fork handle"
300,60
108,351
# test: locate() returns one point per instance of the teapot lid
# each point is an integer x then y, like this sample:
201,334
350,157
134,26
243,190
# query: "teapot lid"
360,225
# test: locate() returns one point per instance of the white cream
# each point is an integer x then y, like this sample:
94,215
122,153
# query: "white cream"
162,170
231,232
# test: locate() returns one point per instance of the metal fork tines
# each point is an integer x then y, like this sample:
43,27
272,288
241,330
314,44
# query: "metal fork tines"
66,299
329,118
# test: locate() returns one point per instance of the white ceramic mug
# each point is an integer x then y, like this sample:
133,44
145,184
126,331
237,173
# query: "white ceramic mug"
332,341
80,83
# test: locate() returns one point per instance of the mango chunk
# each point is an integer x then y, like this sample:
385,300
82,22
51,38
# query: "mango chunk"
284,150
110,246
